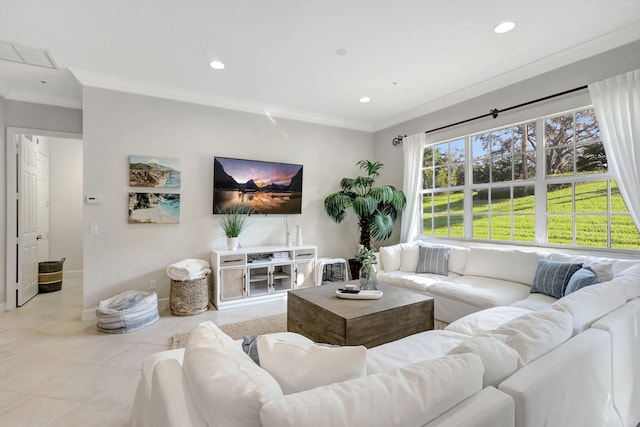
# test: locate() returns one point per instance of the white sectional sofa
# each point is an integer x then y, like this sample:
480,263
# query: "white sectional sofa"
214,383
481,277
524,359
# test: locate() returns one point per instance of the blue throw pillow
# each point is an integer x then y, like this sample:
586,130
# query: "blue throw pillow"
581,278
553,277
433,259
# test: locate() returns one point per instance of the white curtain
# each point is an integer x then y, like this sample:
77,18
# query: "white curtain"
412,149
617,104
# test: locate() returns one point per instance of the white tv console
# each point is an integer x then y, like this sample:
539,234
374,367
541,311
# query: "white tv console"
255,274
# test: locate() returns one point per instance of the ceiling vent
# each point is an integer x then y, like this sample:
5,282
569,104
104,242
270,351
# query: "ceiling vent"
26,55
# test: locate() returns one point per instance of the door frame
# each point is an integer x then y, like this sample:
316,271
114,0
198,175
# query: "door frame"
11,285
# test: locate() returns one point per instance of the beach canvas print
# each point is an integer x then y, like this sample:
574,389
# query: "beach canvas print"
154,172
154,208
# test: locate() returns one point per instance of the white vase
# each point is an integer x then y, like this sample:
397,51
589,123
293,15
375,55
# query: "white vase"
289,241
232,243
298,235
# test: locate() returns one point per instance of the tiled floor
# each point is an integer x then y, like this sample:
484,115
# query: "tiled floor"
58,371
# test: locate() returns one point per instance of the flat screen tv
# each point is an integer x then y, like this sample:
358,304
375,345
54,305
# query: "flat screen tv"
263,187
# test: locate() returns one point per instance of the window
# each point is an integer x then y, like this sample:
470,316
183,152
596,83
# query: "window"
501,184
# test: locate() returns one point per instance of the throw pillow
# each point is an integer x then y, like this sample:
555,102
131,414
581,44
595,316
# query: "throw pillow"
581,278
433,259
218,371
303,366
552,277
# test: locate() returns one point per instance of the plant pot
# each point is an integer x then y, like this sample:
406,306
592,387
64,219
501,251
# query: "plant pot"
354,268
232,243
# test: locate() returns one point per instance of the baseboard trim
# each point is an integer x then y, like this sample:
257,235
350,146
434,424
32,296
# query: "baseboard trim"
73,274
90,313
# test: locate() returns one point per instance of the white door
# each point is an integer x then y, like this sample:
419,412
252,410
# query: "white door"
43,204
27,219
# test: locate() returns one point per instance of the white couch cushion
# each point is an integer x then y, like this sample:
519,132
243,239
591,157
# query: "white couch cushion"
409,257
302,366
412,349
591,303
390,257
510,265
535,334
409,396
481,292
422,282
499,359
628,282
486,320
219,372
458,259
535,302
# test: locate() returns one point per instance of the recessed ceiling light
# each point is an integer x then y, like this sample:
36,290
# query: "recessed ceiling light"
217,65
341,52
504,27
364,99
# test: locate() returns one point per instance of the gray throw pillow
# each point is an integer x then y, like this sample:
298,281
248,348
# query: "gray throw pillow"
581,278
553,277
433,259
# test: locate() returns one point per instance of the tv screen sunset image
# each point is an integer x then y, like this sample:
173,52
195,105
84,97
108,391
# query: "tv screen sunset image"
263,187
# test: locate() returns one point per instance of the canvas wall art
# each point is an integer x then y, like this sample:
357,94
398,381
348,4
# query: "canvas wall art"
154,172
154,208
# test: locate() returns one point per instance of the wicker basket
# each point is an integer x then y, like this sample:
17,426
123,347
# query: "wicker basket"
50,276
189,297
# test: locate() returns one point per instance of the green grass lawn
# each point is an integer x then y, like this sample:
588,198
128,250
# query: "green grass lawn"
591,217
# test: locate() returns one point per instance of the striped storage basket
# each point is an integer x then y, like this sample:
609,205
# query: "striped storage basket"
127,312
50,276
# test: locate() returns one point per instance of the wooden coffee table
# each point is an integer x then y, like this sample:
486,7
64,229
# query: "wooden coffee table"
320,315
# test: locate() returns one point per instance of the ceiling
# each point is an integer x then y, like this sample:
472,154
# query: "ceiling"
410,57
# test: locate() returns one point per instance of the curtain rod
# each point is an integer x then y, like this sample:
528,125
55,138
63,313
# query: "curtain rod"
493,113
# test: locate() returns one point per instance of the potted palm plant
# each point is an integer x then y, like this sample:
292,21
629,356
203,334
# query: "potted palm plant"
233,220
376,207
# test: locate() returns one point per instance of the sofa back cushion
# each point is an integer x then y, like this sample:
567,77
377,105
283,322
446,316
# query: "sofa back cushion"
390,257
512,265
499,359
536,333
409,257
407,396
302,366
227,386
591,303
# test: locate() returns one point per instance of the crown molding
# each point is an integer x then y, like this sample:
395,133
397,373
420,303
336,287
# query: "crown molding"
106,81
56,101
576,53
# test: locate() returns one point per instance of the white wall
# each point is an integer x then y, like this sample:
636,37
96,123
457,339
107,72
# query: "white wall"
116,125
31,116
66,204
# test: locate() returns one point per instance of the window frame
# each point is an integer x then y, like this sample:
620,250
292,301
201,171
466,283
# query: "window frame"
540,184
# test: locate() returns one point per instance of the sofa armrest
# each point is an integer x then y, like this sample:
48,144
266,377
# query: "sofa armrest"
488,408
171,403
570,385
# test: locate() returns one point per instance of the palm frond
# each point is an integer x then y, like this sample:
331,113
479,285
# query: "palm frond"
381,227
364,205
